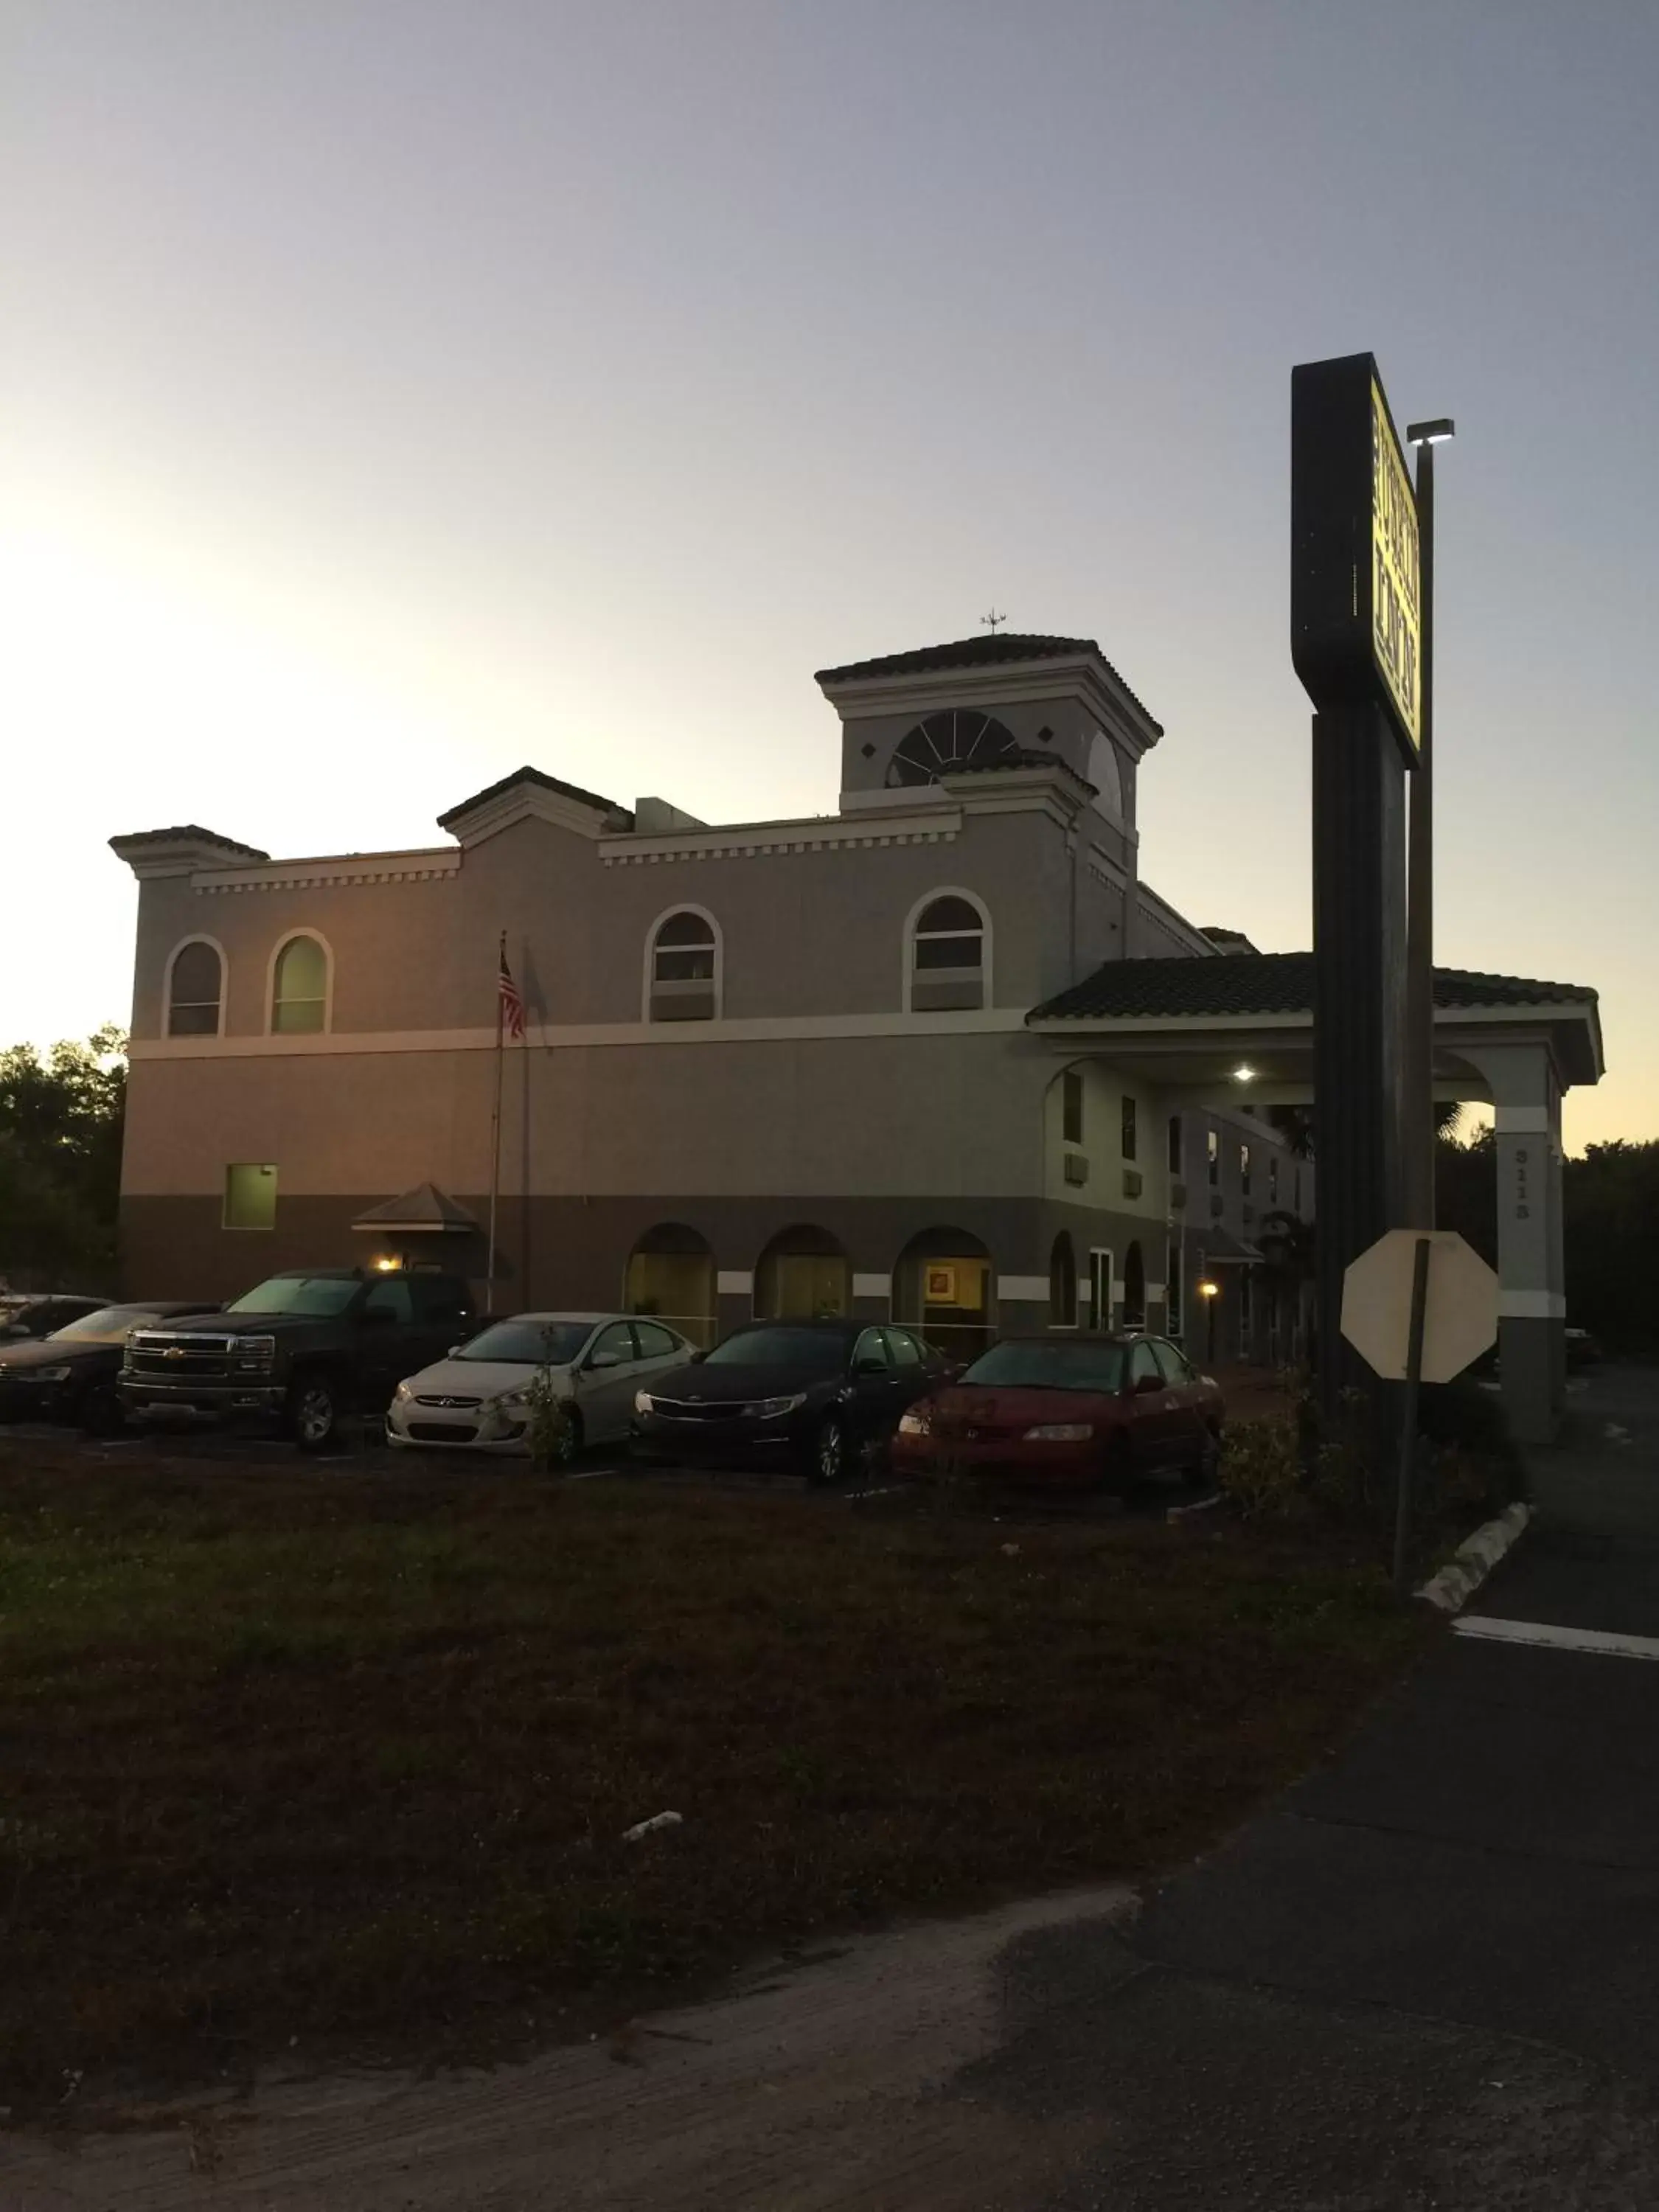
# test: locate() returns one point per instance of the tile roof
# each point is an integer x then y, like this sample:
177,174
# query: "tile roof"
1263,983
987,652
426,1207
193,833
530,775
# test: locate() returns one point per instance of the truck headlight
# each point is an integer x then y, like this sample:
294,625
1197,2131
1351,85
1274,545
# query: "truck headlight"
254,1353
52,1374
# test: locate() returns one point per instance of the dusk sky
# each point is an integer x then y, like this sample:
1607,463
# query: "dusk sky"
395,392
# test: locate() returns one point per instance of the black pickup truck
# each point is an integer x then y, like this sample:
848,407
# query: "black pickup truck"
305,1349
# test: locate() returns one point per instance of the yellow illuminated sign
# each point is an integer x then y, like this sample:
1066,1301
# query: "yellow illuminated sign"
1396,574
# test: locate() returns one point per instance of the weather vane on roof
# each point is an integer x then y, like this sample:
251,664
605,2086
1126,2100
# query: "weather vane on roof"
992,620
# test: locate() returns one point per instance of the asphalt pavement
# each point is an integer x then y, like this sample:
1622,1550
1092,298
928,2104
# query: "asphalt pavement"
1428,1975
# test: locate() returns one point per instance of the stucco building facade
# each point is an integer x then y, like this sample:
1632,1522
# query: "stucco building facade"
942,1055
766,1066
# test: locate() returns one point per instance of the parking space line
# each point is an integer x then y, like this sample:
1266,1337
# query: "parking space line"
1545,1635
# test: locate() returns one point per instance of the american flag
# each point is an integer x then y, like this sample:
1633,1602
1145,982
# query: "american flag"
508,1004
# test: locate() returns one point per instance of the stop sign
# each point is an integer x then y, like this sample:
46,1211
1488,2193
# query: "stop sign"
1459,1322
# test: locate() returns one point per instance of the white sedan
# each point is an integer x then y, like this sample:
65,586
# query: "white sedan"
476,1400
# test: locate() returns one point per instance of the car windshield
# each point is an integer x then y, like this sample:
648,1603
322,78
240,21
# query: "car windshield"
1080,1366
809,1351
529,1343
316,1297
109,1325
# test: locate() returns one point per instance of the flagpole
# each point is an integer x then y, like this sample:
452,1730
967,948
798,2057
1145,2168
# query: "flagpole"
495,1133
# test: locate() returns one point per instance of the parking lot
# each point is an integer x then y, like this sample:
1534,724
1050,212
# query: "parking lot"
364,1453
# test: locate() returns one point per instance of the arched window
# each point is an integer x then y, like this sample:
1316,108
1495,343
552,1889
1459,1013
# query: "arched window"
671,1273
299,987
1062,1283
944,1287
950,743
682,968
196,984
803,1275
947,962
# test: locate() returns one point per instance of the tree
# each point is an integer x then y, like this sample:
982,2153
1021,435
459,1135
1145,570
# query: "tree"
1610,1230
60,1158
1610,1210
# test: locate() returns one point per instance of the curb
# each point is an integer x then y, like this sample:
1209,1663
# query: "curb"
1474,1559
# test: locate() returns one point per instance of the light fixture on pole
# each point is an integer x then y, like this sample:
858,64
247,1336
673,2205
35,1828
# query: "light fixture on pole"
1209,1290
1419,1135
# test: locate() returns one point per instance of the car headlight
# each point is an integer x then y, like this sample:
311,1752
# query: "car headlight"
1059,1432
918,1422
53,1374
773,1409
510,1401
402,1393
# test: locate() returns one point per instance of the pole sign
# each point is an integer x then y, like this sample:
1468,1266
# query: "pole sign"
1356,601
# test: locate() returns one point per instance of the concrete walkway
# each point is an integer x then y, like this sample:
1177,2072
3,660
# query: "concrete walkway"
1427,1977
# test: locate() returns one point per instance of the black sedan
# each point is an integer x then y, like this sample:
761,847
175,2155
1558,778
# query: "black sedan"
810,1395
69,1376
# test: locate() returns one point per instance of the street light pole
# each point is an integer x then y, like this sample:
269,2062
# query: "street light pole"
1419,1144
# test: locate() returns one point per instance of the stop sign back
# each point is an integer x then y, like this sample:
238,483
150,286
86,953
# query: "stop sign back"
1459,1320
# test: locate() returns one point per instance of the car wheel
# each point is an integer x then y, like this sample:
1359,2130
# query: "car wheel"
829,1462
314,1413
100,1412
1204,1472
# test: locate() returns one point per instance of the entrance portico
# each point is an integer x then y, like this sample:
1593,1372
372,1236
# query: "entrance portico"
1238,1031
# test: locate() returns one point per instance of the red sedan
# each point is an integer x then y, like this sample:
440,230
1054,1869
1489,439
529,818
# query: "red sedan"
1075,1413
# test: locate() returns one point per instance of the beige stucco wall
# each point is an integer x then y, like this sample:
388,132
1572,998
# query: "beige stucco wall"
879,1115
805,932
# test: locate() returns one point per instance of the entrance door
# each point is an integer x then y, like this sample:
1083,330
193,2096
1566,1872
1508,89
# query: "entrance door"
1100,1289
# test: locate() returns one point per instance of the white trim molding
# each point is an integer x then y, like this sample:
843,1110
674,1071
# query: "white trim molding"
1025,1290
871,1285
199,938
734,1282
1532,1305
770,1029
349,868
752,840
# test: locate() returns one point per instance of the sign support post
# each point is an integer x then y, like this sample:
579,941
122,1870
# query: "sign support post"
1355,597
1402,1518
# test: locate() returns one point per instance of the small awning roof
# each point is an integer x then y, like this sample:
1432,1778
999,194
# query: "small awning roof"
1221,1248
423,1211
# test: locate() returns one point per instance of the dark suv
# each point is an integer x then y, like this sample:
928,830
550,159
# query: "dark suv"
304,1349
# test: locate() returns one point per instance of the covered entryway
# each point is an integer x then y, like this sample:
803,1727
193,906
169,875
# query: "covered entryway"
1238,1031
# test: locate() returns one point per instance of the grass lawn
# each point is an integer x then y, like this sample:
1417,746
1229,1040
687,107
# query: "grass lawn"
348,1760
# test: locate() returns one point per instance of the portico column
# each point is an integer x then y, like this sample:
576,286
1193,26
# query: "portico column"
1531,1293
